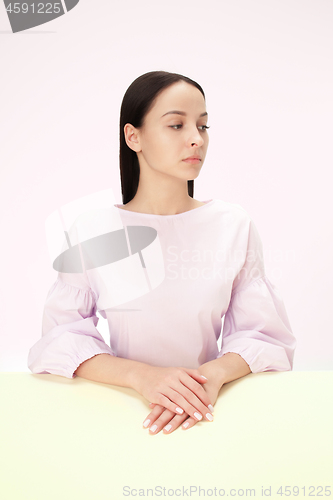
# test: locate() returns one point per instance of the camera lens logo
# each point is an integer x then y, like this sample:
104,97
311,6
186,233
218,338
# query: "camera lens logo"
25,15
121,262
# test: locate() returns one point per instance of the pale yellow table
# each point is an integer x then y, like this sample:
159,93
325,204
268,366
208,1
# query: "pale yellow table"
64,439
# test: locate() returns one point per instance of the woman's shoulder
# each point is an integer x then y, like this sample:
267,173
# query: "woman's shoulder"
232,210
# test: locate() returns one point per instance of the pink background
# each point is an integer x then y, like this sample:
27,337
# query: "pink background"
266,69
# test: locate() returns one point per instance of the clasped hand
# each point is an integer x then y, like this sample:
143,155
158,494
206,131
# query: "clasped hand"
177,394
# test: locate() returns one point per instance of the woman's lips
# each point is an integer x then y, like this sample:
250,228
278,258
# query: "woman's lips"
192,160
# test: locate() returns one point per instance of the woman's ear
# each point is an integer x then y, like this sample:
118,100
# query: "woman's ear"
132,137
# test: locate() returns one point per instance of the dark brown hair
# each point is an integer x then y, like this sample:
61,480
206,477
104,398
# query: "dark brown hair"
139,98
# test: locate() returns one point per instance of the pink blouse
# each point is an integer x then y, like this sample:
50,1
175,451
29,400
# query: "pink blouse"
164,296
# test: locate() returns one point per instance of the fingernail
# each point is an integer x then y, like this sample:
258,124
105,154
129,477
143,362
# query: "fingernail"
185,425
211,407
198,416
168,427
146,423
153,428
209,416
179,410
204,377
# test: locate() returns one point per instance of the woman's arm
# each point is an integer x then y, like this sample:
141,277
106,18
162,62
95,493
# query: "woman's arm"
229,367
171,387
109,370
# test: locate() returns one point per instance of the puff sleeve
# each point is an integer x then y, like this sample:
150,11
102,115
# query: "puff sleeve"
256,325
69,334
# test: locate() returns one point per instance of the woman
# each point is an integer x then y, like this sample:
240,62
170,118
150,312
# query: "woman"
164,345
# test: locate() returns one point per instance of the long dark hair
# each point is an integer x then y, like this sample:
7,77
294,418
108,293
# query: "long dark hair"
139,98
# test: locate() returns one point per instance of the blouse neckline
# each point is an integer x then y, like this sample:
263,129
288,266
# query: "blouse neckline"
202,207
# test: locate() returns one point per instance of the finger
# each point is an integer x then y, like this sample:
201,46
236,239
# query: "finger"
196,375
190,403
153,415
198,390
174,423
180,399
190,422
169,403
158,406
161,421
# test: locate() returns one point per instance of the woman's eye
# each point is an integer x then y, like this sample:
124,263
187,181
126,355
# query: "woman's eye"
204,127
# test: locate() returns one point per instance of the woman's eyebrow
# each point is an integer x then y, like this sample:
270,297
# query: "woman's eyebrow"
175,112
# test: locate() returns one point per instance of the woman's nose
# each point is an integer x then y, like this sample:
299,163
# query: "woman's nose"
196,138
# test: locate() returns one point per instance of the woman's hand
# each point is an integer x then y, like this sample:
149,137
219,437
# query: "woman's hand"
176,389
162,418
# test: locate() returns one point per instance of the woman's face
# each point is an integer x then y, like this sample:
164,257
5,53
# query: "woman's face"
167,138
